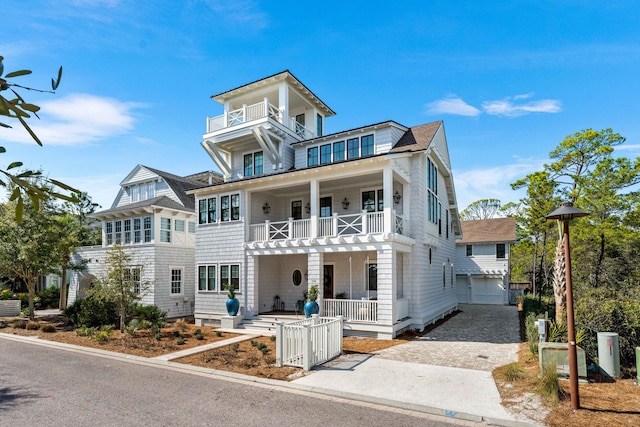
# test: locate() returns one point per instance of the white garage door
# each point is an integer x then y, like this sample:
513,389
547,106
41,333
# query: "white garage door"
487,291
462,289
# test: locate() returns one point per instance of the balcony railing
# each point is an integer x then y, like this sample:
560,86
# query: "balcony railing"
333,226
254,112
352,310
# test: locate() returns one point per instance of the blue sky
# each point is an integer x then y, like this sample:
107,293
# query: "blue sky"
509,79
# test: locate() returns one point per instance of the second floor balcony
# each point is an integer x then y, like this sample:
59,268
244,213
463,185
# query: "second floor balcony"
358,224
264,110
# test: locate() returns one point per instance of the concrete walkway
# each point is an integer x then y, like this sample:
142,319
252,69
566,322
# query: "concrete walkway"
447,370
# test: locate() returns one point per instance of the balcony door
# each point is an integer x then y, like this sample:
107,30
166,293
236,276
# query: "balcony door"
328,281
296,209
325,207
300,125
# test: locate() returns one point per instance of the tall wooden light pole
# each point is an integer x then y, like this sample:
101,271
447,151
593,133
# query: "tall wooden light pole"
565,213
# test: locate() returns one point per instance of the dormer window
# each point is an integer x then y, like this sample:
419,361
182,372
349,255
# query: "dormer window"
141,192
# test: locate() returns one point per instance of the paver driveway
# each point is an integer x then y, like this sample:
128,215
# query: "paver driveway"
480,337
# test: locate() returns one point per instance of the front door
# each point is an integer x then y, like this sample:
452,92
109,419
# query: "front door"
328,282
296,209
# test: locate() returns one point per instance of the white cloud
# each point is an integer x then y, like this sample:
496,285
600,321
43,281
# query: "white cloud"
77,119
452,105
494,182
508,108
629,147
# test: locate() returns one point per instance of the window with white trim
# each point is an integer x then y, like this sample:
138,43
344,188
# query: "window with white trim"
109,233
229,209
253,163
372,200
132,275
434,208
176,281
312,156
372,276
444,275
147,229
452,276
230,275
178,225
207,277
191,226
165,230
501,250
469,250
118,232
137,234
127,231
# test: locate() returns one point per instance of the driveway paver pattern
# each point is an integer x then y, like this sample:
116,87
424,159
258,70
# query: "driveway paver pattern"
480,337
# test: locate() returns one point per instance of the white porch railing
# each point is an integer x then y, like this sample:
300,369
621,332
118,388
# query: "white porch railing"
254,112
332,226
308,342
352,310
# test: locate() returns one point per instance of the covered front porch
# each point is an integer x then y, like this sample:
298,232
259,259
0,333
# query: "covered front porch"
360,285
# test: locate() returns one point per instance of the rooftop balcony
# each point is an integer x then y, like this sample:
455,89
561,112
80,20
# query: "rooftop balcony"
249,113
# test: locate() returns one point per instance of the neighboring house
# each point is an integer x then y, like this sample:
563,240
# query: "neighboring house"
153,218
482,260
369,214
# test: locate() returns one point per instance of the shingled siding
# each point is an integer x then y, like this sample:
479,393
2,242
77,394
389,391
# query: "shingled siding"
483,258
423,279
219,244
167,258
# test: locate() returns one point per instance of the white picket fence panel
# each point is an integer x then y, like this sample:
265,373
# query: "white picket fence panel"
310,342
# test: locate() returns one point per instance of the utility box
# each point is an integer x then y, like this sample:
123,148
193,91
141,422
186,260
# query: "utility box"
609,353
557,354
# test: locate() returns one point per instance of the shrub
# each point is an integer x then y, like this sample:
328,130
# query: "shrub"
19,324
513,372
84,331
180,340
272,337
548,385
532,332
2,324
198,335
48,327
152,314
92,312
103,336
218,334
235,347
48,298
33,326
181,325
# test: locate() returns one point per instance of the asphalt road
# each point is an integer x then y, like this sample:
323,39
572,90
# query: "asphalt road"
42,386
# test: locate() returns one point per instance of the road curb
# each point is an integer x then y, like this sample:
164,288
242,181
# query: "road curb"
265,382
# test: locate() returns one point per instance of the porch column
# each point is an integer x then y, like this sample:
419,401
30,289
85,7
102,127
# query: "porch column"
387,185
251,305
314,265
406,208
314,191
283,103
386,286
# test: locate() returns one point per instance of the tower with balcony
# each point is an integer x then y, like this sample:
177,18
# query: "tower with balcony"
261,120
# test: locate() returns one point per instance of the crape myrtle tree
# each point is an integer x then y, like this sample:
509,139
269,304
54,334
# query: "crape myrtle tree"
122,282
15,108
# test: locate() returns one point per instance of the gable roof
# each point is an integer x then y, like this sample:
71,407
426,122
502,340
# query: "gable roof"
180,185
488,230
417,138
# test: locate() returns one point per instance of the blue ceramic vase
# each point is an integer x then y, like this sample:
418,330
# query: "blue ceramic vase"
233,305
311,307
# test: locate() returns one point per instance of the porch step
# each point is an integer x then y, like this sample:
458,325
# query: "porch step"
264,325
